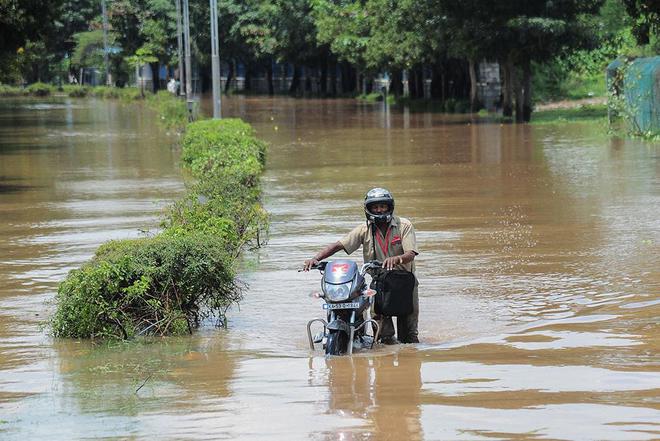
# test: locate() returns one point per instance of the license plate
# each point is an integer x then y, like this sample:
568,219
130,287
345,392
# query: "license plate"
352,305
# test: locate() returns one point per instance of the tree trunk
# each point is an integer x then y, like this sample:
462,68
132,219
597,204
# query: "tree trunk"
333,79
412,83
247,82
323,87
295,81
396,84
474,100
436,82
507,88
230,76
269,77
419,82
155,77
527,91
518,91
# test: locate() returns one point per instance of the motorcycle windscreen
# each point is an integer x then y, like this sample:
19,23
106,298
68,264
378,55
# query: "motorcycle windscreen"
340,271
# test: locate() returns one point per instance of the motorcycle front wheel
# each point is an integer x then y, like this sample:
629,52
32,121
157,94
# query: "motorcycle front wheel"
337,343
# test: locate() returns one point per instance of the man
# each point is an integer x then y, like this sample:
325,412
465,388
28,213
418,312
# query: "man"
388,239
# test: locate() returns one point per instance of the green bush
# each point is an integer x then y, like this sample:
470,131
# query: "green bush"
450,105
157,286
75,91
213,144
227,160
462,106
371,97
130,94
40,89
105,92
173,111
10,91
167,284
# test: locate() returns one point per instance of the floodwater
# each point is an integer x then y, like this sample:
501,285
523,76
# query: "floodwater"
539,280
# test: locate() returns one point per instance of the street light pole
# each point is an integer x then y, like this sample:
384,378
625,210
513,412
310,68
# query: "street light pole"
186,36
104,12
215,59
179,45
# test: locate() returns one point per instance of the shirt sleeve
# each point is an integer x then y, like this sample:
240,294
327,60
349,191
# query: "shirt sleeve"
408,239
353,240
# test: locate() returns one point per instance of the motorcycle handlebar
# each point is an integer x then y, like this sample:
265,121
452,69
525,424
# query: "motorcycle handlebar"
370,264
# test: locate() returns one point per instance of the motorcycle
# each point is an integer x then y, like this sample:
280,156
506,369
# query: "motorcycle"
348,300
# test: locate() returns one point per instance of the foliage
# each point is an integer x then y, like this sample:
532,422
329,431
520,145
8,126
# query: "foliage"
631,93
40,89
10,91
75,91
161,285
89,49
227,160
169,283
645,16
172,111
575,114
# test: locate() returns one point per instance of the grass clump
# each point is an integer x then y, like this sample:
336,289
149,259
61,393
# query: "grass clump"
372,97
581,113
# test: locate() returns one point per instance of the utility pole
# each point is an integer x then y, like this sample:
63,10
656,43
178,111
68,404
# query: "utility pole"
179,45
104,12
215,59
186,36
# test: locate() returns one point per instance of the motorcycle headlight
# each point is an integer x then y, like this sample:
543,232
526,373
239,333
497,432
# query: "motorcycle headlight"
337,293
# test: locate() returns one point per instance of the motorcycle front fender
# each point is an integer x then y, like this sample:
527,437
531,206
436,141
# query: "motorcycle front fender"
339,325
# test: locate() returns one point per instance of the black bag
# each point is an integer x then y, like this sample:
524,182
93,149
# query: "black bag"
394,292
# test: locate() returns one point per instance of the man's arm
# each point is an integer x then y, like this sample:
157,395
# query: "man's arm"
406,257
323,254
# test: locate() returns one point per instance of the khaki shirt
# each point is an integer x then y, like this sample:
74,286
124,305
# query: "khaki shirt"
401,238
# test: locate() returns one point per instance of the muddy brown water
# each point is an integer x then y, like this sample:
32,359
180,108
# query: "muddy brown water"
539,279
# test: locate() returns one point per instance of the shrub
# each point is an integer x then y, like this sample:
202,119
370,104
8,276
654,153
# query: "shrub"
462,106
161,285
168,283
130,94
40,89
10,91
105,92
75,91
227,160
212,144
450,105
371,97
173,112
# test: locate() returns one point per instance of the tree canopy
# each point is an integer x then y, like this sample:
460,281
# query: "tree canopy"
359,38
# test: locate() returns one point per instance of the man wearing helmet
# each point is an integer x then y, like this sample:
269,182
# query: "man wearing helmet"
389,239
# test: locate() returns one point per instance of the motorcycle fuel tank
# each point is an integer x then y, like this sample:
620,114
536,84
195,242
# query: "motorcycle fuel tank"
340,271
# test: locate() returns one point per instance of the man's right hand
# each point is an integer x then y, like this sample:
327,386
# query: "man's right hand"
309,264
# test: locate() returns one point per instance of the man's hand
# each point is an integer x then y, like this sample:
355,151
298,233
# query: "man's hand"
391,262
309,264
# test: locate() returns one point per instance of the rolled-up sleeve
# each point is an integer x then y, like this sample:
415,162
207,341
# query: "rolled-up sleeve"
408,239
353,240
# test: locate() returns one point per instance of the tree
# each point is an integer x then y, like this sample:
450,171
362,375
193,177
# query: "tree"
141,57
22,21
646,19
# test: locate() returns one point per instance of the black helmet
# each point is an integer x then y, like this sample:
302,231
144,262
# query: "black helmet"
381,196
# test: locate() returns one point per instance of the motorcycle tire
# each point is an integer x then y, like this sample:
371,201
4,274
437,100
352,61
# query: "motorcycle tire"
336,343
